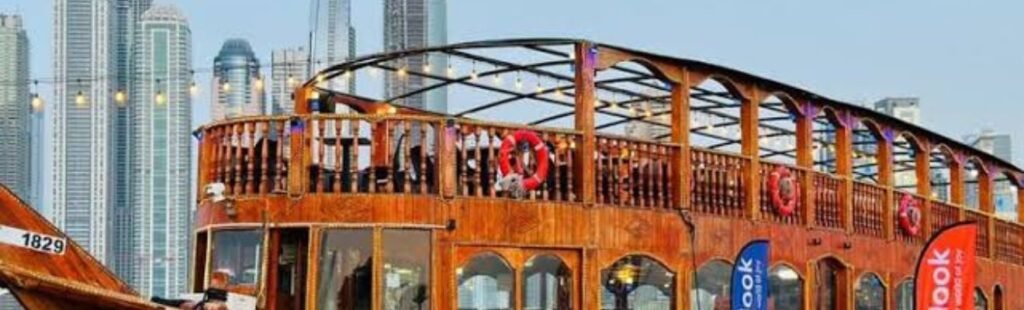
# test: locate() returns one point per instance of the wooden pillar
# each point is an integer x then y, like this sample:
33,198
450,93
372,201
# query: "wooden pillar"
206,149
750,150
987,207
805,160
585,96
681,137
922,168
956,186
446,136
884,160
844,167
300,158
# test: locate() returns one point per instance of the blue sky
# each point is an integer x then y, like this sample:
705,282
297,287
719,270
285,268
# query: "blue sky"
962,58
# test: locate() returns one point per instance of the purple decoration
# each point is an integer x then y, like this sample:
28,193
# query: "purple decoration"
297,125
810,110
889,135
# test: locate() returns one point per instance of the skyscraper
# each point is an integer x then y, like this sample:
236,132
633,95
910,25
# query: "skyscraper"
411,24
15,155
126,42
288,68
161,148
84,122
335,39
237,83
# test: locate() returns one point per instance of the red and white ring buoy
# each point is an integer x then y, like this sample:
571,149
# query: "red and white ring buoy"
509,143
910,215
784,190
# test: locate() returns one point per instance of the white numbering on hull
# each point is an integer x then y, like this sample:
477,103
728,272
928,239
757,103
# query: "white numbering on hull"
32,240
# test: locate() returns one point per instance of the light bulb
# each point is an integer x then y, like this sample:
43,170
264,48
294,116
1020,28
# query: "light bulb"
347,75
291,80
451,71
313,94
258,83
120,97
320,78
37,103
402,72
193,89
497,79
226,87
80,98
160,98
426,67
519,83
473,75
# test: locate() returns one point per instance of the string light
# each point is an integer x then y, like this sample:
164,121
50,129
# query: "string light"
193,89
258,83
519,80
497,79
451,70
80,98
426,64
225,86
291,80
120,97
160,98
37,103
473,75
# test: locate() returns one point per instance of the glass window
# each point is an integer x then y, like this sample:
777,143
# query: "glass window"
406,282
980,302
870,293
486,282
236,254
637,282
711,286
905,295
786,288
346,269
548,284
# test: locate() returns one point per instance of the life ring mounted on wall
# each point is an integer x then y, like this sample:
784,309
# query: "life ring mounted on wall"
531,182
785,191
910,215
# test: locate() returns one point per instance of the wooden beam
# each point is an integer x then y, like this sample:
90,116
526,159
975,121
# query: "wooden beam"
884,159
749,146
585,96
922,168
298,165
681,136
805,160
844,167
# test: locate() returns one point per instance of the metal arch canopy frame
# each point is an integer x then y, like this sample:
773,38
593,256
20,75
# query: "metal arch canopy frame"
543,45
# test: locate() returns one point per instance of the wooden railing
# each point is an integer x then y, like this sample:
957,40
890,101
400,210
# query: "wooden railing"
1009,239
382,154
942,215
403,154
868,209
902,234
719,186
477,147
828,201
634,173
768,210
249,156
982,219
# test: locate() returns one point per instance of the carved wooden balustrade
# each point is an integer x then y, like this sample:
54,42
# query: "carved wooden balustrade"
404,154
634,173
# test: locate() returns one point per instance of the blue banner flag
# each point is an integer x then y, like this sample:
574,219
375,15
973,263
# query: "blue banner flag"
750,277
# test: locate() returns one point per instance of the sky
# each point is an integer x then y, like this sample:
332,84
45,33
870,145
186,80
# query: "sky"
962,58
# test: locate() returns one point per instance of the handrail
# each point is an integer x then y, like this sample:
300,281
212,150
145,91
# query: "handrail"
348,153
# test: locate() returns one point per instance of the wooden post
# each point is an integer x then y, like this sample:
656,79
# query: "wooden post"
1020,204
750,148
987,207
805,160
585,97
205,152
681,136
922,167
956,186
884,160
300,135
844,167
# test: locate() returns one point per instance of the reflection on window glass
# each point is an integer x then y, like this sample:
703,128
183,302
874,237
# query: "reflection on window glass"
637,282
486,282
406,269
236,253
711,288
870,293
346,269
548,284
786,288
980,302
905,295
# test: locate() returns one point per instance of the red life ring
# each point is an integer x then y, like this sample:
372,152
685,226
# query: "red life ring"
509,143
784,190
910,215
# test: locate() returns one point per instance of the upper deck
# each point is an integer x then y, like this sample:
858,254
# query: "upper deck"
626,130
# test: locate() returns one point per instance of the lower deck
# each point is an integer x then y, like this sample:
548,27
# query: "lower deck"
367,251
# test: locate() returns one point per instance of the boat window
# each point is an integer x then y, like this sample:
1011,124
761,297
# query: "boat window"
406,280
486,282
786,288
346,269
236,254
870,293
712,286
905,295
637,282
980,301
548,284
